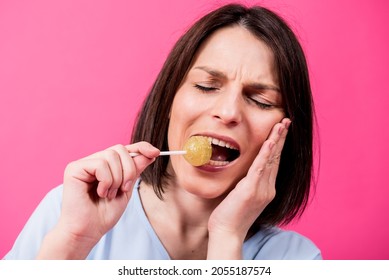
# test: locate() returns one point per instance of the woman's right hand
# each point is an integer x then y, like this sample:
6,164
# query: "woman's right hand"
96,191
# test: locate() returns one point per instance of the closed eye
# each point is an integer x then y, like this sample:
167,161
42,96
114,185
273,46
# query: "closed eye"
205,89
259,101
261,105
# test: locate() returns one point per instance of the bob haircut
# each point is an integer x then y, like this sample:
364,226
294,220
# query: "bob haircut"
295,170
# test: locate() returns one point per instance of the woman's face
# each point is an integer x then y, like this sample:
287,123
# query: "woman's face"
230,94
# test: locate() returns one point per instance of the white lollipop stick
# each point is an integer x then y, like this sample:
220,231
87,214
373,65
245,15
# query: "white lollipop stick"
163,153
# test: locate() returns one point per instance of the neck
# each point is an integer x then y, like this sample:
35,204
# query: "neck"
181,207
180,218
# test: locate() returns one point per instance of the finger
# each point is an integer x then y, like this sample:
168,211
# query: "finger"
143,148
259,165
113,161
114,168
276,135
256,182
275,157
265,165
266,153
129,172
90,170
148,154
115,164
125,169
278,130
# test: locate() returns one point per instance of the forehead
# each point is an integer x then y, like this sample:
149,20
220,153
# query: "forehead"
234,50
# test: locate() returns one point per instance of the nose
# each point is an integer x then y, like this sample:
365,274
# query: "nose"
227,109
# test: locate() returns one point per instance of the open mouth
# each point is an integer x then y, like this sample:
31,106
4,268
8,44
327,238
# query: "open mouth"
222,152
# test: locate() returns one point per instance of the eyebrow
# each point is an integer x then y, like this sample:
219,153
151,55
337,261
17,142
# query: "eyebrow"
221,75
212,72
260,86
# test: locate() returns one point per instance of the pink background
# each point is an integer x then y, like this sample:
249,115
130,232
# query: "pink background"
73,73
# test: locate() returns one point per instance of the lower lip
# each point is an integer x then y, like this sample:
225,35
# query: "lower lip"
214,168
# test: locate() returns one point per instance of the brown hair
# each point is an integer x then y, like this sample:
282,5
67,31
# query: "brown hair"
295,171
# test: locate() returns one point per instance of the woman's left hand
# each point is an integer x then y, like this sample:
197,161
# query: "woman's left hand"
229,223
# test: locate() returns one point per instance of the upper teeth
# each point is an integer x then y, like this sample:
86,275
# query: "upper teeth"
221,143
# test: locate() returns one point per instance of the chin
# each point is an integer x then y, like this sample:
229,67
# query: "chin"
206,188
202,183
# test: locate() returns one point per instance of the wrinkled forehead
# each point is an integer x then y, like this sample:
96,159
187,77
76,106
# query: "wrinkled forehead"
236,53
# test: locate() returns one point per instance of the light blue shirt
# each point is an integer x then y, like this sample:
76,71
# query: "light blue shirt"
134,238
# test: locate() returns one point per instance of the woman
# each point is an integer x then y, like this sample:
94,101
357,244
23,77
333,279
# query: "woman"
238,77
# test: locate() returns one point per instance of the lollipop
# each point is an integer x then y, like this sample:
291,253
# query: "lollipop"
197,151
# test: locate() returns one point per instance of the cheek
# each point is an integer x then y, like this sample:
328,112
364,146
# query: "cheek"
263,123
260,127
183,114
185,103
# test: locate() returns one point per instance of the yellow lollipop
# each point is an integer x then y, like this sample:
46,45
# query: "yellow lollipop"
198,150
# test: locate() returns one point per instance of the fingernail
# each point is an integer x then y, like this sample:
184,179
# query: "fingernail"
288,124
112,193
280,130
105,194
127,186
152,148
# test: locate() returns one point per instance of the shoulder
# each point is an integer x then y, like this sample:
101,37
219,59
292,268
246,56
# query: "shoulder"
54,196
132,238
41,221
273,243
